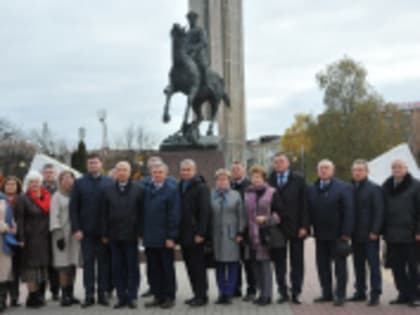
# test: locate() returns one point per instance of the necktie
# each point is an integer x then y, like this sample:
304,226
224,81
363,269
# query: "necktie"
280,180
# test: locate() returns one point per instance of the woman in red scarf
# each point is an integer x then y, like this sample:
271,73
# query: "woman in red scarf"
32,212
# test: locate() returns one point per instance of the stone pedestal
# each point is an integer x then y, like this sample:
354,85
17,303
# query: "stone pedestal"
224,24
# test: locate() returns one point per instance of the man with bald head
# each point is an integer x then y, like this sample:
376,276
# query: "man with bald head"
332,217
122,212
402,230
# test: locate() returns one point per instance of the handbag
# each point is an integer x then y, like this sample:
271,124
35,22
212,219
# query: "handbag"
272,236
342,248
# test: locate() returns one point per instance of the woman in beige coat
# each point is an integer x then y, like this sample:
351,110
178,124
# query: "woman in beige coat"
7,229
66,249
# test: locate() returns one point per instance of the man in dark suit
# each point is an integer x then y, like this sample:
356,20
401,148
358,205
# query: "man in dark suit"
194,229
239,182
85,214
291,203
161,229
332,217
122,223
369,212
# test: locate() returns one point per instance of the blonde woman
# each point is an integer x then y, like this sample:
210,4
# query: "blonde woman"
66,249
229,222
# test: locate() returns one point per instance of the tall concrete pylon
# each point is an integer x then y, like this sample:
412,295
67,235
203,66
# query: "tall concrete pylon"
223,21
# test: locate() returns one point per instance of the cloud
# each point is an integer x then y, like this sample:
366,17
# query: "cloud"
61,61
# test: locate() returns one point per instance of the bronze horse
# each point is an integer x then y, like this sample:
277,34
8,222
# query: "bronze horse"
185,77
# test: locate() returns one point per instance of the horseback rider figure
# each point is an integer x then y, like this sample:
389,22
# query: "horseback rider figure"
197,45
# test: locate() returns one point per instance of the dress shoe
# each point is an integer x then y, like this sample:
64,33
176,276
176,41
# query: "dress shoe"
154,303
374,301
224,300
357,298
323,299
295,299
89,301
248,298
168,303
262,301
103,300
399,300
15,303
119,305
55,297
413,303
283,299
197,302
237,294
339,301
188,301
66,301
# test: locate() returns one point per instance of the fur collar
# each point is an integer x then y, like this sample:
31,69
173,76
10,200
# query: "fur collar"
401,187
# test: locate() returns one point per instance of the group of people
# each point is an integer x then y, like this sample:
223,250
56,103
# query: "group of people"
244,228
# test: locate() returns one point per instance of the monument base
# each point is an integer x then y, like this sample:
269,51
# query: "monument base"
180,143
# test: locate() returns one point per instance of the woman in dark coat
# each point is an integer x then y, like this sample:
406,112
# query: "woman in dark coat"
32,211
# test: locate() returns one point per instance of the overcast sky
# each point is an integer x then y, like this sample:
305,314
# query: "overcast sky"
60,61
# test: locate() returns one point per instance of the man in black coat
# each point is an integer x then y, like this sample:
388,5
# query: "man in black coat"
369,212
402,230
332,217
291,203
122,214
239,183
194,229
85,215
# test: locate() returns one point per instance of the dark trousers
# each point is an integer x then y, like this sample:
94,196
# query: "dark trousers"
325,257
161,272
3,294
227,277
110,287
13,286
367,252
125,269
195,263
279,258
246,265
404,268
94,253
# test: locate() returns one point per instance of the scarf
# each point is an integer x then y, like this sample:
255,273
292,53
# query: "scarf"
44,201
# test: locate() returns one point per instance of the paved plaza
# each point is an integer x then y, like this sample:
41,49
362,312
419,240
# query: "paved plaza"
311,290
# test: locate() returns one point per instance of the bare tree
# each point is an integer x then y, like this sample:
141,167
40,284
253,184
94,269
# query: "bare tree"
130,134
144,140
134,138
